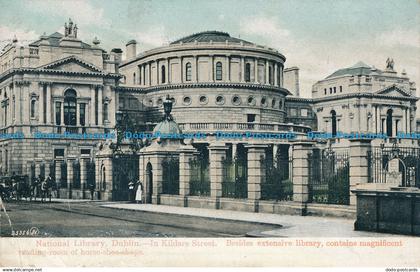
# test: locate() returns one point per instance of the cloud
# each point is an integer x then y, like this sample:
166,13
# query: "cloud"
399,37
80,11
265,27
153,36
24,36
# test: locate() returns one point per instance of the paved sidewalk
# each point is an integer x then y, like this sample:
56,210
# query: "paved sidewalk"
289,225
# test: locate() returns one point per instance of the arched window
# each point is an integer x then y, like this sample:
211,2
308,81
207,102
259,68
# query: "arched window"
70,107
188,71
33,105
134,78
247,72
333,123
389,123
219,71
163,73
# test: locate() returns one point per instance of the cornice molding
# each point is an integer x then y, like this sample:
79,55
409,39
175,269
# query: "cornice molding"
204,85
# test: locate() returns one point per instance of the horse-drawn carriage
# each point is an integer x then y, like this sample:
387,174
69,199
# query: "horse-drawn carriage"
17,187
14,187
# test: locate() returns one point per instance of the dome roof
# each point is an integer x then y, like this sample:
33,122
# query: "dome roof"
167,127
359,68
207,36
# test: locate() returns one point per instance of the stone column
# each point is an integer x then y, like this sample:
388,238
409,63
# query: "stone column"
359,170
275,150
281,76
70,161
62,114
47,168
112,106
275,74
77,114
301,151
83,172
156,161
256,175
256,70
100,118
228,68
92,106
267,72
186,154
150,73
157,72
49,104
18,99
38,167
41,119
25,109
234,149
168,71
196,68
217,152
212,68
242,75
181,61
58,163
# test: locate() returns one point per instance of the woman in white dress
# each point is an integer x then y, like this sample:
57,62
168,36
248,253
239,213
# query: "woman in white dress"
139,192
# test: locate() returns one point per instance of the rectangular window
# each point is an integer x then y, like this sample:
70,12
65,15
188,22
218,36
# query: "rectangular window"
330,90
335,90
325,91
82,114
58,153
341,89
250,118
58,113
85,151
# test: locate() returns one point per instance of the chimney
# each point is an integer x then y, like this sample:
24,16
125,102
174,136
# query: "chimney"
117,53
291,80
131,49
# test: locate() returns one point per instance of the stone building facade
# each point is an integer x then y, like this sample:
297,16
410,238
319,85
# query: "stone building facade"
217,85
55,85
365,99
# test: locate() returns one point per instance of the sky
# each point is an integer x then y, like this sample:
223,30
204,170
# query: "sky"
317,36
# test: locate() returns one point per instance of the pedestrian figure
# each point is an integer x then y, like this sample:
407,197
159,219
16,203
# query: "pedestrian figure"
92,190
34,188
131,192
139,191
44,188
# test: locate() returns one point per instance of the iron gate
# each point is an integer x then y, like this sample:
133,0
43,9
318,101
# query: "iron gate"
170,175
277,184
235,175
400,165
329,177
199,178
125,168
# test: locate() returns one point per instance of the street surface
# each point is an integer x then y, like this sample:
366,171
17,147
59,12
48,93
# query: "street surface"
88,219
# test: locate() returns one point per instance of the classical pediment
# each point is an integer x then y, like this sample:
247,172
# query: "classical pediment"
71,64
394,90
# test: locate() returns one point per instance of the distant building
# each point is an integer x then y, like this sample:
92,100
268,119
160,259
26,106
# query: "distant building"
362,98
